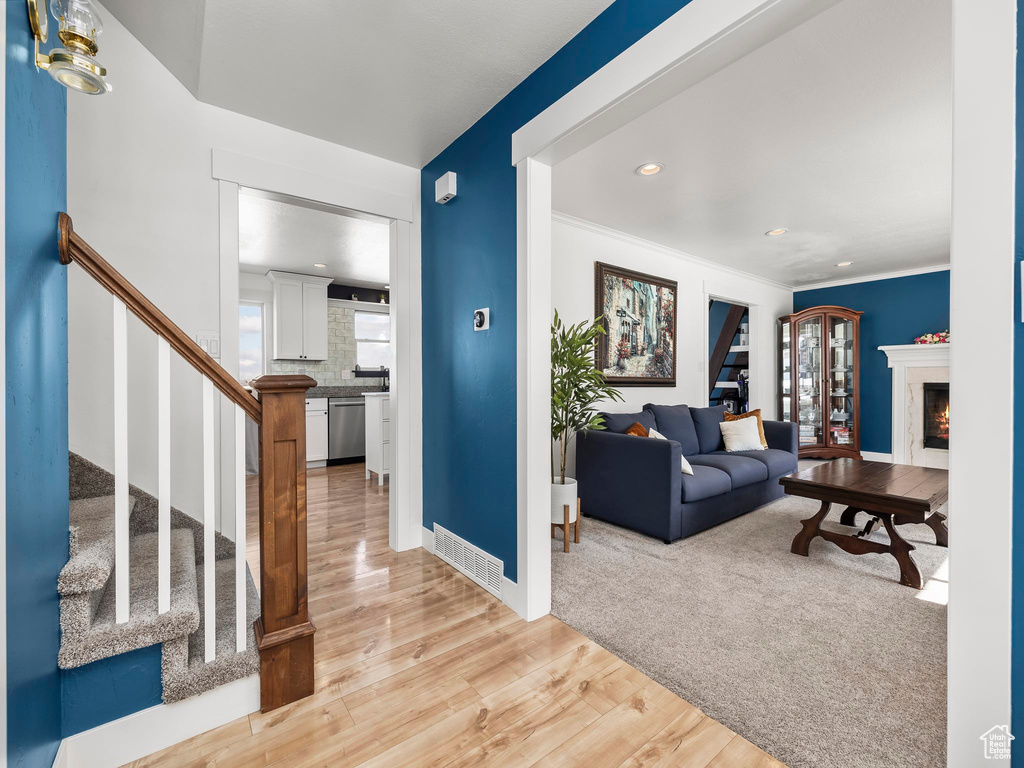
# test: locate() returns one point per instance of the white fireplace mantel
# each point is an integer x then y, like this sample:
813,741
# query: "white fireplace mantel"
902,357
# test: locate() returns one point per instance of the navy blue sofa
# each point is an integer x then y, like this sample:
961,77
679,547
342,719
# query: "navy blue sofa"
638,482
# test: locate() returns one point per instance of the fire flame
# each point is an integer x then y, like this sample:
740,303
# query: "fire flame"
943,423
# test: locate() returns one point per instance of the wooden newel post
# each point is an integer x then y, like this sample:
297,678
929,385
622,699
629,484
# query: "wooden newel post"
284,631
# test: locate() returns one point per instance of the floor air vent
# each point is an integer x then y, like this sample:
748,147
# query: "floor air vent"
486,570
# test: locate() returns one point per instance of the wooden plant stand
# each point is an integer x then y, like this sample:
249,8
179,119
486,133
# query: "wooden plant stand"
564,527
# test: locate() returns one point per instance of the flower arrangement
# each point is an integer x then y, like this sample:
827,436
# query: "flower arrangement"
941,337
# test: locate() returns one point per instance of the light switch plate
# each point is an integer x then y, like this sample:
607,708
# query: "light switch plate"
209,342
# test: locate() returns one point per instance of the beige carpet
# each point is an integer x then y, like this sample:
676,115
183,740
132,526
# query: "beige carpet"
820,661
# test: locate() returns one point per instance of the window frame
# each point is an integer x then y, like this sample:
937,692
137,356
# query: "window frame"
264,346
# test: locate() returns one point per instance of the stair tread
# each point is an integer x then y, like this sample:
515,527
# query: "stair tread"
185,670
91,529
146,626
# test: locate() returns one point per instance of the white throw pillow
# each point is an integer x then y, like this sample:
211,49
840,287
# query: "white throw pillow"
741,435
687,469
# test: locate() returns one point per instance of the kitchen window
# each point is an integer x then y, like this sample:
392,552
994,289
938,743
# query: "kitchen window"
251,340
373,340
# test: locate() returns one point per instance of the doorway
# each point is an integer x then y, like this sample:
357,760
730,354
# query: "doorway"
728,355
685,49
239,175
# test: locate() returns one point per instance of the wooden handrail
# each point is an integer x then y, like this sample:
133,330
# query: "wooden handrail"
74,248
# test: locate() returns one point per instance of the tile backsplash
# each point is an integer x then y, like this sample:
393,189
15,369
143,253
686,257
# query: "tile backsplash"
341,346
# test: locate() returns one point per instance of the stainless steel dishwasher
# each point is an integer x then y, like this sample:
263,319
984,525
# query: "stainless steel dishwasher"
346,428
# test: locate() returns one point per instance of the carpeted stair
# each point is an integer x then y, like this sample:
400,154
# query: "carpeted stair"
89,631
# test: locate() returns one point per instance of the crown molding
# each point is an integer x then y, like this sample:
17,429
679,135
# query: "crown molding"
872,278
572,221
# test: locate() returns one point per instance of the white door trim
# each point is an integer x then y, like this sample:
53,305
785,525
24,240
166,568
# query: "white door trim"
405,511
982,281
680,52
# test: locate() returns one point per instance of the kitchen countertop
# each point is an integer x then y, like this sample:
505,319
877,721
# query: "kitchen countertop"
340,391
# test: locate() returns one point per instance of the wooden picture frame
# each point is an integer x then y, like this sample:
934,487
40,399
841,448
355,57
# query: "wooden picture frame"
639,314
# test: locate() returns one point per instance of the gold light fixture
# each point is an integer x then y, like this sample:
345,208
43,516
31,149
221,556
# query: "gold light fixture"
74,65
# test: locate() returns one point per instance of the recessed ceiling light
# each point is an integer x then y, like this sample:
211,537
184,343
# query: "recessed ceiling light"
320,266
649,169
844,263
387,286
776,232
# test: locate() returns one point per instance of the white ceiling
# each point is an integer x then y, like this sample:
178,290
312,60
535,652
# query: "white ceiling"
291,237
400,79
839,131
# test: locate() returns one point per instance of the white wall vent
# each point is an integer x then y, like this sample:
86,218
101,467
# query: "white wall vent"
486,570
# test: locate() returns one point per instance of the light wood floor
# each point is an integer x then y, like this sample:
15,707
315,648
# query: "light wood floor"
418,666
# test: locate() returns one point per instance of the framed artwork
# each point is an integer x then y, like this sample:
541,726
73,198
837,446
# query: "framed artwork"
639,315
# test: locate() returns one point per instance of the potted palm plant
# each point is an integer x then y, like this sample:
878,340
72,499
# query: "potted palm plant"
577,386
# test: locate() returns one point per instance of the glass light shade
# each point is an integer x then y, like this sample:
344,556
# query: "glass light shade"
79,17
79,72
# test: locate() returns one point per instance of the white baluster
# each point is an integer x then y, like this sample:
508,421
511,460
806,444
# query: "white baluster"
241,630
122,566
163,483
209,555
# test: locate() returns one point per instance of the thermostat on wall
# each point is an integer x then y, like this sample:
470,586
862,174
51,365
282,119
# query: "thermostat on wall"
445,188
481,319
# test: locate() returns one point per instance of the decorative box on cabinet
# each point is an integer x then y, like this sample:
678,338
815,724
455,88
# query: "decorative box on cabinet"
378,435
819,380
316,431
300,316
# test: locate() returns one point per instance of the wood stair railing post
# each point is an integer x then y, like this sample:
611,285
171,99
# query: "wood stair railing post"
284,631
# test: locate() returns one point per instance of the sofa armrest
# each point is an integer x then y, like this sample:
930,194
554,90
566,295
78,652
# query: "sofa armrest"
781,435
630,481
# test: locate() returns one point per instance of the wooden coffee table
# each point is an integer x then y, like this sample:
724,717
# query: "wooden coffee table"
893,494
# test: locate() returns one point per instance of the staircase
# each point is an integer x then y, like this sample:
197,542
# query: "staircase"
142,573
727,358
89,630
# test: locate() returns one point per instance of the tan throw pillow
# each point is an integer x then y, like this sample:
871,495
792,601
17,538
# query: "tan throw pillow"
752,415
637,430
683,463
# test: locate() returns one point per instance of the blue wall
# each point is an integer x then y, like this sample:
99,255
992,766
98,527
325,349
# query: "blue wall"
469,378
37,396
108,689
895,311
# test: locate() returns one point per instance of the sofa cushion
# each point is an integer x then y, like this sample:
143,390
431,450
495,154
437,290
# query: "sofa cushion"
704,483
675,423
620,422
709,434
741,470
777,462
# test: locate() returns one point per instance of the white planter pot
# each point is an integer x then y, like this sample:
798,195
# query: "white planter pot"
560,496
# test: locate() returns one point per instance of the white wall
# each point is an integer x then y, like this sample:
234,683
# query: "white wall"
140,192
576,245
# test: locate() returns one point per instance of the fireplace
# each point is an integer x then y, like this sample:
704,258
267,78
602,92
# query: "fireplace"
936,415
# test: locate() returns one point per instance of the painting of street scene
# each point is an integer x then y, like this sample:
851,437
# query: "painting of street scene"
639,315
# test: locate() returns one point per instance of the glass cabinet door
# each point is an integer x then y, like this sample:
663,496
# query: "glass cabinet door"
809,381
786,366
841,381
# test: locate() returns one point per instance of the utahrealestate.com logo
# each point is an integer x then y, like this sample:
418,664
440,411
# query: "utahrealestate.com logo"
997,742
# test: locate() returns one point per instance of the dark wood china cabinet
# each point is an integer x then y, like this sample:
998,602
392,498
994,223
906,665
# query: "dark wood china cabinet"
819,380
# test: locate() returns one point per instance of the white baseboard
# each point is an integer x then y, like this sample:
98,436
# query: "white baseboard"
60,760
159,727
872,456
428,539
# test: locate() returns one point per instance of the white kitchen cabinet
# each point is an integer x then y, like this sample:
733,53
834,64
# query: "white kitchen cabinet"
300,316
316,430
378,435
